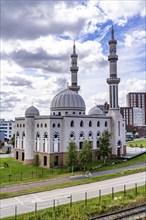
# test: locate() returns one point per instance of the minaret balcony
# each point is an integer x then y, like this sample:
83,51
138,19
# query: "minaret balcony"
113,80
74,68
112,57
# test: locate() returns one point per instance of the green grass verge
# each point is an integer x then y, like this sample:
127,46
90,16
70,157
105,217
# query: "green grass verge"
17,173
84,210
137,143
71,183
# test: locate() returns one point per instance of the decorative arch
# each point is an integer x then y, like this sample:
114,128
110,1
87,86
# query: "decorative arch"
17,140
98,133
37,141
81,135
45,135
23,140
90,135
72,135
45,142
56,141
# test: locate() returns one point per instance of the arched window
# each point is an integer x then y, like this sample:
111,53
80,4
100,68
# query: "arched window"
23,136
79,113
73,113
37,141
17,139
59,113
98,124
72,124
17,134
20,125
23,125
90,123
41,125
53,125
98,134
53,113
45,125
81,124
105,123
66,113
58,125
37,125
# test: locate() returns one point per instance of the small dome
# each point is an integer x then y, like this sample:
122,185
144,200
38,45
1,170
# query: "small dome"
32,111
67,100
95,111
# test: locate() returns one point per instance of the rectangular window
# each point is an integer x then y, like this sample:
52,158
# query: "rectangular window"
17,155
22,156
80,145
45,160
97,144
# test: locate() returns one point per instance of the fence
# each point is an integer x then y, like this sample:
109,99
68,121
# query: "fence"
34,174
52,199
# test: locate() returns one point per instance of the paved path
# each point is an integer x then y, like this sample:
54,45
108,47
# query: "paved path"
66,179
28,203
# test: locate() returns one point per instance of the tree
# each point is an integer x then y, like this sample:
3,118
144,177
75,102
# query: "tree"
85,155
36,160
104,144
13,140
1,144
72,156
134,132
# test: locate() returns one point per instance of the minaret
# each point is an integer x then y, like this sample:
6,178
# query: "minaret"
74,71
117,122
113,81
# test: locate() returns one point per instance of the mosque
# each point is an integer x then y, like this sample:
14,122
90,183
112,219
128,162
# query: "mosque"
48,136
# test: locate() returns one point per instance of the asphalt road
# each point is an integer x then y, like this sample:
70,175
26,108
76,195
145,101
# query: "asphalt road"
27,203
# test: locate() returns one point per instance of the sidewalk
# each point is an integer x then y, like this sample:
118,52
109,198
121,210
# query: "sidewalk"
66,179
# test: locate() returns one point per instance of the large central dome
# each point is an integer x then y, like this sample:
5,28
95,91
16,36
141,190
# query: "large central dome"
67,100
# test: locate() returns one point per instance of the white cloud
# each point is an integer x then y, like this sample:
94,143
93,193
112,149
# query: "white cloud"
38,46
120,11
135,39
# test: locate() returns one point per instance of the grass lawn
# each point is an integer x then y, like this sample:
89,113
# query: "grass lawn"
86,209
17,173
137,143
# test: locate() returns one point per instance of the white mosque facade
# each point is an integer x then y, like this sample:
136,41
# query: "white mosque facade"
48,136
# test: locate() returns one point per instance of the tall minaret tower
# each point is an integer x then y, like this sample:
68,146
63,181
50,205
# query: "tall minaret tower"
117,122
113,81
74,71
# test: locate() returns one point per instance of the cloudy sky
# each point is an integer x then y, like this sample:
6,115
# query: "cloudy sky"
36,44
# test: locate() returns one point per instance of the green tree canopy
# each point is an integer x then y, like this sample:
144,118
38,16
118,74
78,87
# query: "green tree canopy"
104,145
72,156
85,155
13,140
